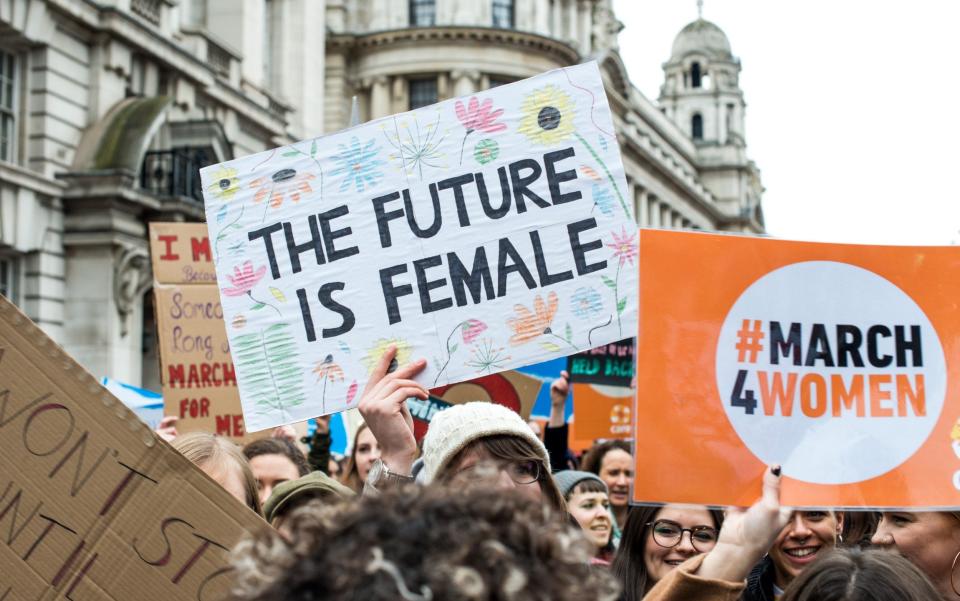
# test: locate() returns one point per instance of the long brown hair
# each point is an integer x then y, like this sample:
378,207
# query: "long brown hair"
628,565
508,447
855,575
351,475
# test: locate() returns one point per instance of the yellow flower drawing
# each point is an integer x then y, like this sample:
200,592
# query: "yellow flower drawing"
225,183
547,116
380,347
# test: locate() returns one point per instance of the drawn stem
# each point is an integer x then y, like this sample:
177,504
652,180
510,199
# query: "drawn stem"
616,297
273,380
596,157
594,328
449,354
263,303
323,397
565,341
464,144
221,235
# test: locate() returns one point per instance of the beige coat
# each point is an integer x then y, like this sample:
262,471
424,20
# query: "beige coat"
682,584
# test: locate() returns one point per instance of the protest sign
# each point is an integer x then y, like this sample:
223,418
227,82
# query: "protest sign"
92,503
603,412
197,373
610,364
482,233
512,389
838,362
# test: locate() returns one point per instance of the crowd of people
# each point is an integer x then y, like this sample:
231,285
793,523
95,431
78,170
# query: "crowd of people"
491,507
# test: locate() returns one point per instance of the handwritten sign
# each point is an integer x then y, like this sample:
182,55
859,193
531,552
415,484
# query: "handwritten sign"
610,364
197,373
838,362
483,233
92,503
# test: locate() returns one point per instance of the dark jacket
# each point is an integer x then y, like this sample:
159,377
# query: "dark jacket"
760,582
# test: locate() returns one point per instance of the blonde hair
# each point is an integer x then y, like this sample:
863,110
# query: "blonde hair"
204,449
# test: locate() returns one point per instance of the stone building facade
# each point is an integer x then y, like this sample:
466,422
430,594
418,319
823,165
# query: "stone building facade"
109,107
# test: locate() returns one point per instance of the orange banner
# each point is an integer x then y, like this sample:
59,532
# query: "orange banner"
838,362
602,411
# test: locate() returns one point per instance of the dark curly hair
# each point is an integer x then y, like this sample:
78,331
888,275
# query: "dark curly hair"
422,543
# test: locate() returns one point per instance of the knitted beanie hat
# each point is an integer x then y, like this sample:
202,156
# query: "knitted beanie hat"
314,484
567,480
451,430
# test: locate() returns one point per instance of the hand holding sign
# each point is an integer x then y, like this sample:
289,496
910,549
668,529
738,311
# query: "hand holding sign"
384,408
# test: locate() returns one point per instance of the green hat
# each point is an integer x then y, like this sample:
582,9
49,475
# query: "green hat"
314,485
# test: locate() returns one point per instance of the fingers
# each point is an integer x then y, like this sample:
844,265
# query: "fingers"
564,374
380,369
167,421
771,486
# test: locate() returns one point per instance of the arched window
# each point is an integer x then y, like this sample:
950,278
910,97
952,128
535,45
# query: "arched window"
695,75
696,127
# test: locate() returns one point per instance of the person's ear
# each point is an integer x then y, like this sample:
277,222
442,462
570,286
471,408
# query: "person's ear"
840,516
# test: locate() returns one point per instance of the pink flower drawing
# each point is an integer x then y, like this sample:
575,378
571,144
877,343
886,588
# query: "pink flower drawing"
471,329
624,246
244,279
478,116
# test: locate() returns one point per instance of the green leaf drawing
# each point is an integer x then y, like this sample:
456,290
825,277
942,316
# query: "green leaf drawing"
610,283
550,346
290,153
270,365
454,348
568,333
621,305
313,148
257,306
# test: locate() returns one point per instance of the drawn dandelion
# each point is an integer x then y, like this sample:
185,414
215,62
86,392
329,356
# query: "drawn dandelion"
416,146
469,330
485,357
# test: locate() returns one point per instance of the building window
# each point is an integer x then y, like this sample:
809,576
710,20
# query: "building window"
8,278
423,13
422,92
496,82
503,14
696,127
8,105
695,75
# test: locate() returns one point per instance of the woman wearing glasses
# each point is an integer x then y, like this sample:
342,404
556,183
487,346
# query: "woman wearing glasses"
658,539
477,442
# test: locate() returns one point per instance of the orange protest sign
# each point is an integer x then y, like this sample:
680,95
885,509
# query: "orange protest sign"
602,411
838,362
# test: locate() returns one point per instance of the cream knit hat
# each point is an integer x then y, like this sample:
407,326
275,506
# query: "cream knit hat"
453,429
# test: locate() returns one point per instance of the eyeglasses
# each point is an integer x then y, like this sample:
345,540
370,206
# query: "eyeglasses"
521,472
669,534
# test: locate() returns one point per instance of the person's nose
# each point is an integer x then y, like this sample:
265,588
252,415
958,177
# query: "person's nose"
685,546
882,537
504,481
799,528
622,480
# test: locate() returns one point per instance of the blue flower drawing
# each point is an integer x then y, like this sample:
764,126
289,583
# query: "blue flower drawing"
358,165
586,303
603,199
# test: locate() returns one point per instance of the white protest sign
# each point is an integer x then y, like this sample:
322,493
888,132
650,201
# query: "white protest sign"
483,233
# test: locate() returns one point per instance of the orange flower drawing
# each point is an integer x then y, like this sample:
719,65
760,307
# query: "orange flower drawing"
528,326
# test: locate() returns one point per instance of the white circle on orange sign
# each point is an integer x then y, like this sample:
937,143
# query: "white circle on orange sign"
831,371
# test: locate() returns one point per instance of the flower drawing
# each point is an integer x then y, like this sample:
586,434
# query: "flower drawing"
416,146
380,347
285,183
478,116
547,116
528,325
358,164
586,303
486,150
244,279
485,357
225,183
624,246
327,371
603,199
469,330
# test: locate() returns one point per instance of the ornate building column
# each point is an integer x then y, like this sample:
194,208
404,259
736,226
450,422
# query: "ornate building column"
465,81
380,97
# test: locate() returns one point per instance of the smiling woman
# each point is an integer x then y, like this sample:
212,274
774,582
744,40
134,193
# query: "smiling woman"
931,541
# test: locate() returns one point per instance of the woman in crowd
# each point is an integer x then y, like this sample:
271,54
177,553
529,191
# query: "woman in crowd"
455,545
807,536
364,452
930,540
472,442
587,502
613,462
223,461
274,461
658,539
855,575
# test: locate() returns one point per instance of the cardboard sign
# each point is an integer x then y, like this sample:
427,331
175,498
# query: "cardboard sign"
512,389
610,364
197,373
483,233
603,412
838,362
92,504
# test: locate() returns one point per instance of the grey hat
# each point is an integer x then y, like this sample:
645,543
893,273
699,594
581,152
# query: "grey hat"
567,480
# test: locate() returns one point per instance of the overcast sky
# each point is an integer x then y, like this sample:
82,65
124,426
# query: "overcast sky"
851,108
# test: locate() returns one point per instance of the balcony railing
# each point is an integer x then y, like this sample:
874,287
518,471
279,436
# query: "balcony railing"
175,172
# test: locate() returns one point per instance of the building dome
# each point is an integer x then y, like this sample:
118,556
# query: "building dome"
703,37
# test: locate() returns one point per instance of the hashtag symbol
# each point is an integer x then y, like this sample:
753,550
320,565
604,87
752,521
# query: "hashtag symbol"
749,341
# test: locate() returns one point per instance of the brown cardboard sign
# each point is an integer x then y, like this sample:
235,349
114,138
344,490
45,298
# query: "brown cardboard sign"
199,382
92,504
182,254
